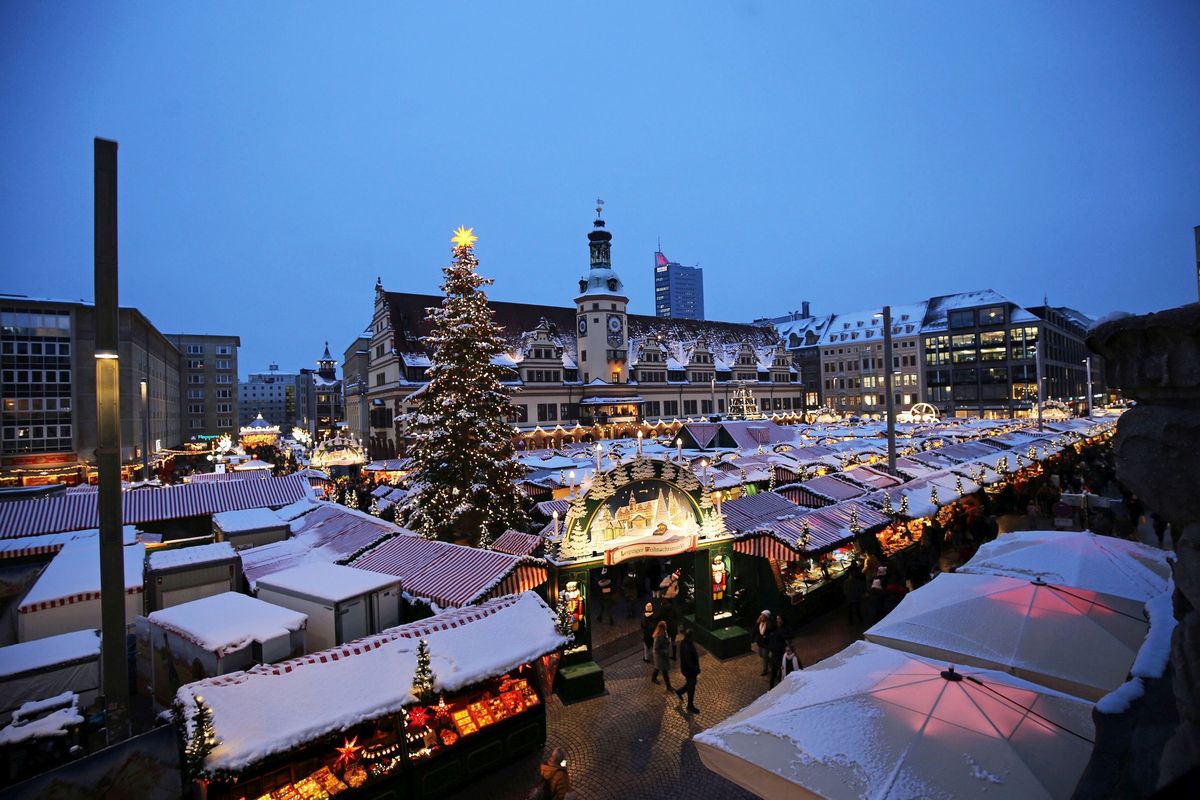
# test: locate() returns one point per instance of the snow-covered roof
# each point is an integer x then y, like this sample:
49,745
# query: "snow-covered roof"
50,543
75,572
42,654
247,520
937,314
273,708
223,623
63,714
190,556
331,582
865,326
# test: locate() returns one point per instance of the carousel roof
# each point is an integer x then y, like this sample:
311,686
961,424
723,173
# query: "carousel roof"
339,451
259,425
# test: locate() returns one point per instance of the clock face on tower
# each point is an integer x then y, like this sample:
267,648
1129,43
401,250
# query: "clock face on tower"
583,326
616,336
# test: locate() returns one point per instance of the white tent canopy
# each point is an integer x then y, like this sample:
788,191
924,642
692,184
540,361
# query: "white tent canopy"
874,722
1083,560
1073,640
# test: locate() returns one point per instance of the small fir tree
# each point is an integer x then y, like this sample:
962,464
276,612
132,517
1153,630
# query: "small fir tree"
199,737
463,452
564,622
423,677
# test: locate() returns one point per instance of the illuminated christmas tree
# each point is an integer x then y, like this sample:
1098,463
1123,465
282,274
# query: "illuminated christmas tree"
423,677
463,465
200,738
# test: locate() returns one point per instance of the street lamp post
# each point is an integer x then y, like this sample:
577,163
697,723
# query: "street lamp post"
145,430
890,401
1037,369
1088,362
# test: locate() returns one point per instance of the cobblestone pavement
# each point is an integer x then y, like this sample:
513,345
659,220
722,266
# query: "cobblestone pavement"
635,741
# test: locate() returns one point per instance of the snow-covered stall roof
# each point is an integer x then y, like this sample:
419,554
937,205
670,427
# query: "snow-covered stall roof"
42,654
516,543
74,575
327,533
50,543
1034,631
879,723
247,520
1083,560
276,707
332,582
77,511
42,719
223,623
191,556
451,574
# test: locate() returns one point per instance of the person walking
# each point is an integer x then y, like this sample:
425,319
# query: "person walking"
662,655
791,660
689,667
762,630
670,615
649,622
556,781
777,643
629,588
608,595
853,588
1160,526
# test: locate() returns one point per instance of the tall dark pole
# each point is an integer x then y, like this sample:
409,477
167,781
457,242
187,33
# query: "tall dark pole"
145,387
108,446
887,387
1037,369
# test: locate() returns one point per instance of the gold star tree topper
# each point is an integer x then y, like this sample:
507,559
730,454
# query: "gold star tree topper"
464,237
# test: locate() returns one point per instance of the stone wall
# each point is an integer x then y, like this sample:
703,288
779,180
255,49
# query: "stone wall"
1155,360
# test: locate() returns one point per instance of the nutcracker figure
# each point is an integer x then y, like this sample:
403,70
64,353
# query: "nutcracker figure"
574,603
719,577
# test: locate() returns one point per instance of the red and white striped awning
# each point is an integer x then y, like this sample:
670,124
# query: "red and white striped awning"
450,574
69,512
516,543
764,545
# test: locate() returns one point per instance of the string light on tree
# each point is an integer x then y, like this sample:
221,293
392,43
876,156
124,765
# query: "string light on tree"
423,677
462,456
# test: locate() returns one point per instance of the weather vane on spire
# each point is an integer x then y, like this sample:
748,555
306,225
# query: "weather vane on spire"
599,207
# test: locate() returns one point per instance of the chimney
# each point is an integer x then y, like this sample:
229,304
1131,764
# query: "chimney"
804,310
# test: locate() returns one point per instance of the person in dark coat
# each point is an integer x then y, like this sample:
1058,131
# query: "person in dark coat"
670,616
649,622
689,666
854,586
629,588
608,596
791,660
662,655
555,779
762,632
777,642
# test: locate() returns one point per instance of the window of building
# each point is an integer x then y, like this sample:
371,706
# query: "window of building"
195,394
379,378
195,378
689,408
224,350
964,348
225,422
195,363
224,363
195,349
224,379
568,411
992,346
962,319
547,412
224,394
196,423
224,408
670,408
993,315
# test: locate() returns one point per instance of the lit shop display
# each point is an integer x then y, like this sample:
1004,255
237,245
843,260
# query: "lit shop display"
900,536
806,575
396,746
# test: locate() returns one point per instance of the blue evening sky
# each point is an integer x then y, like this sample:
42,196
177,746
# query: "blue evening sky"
277,157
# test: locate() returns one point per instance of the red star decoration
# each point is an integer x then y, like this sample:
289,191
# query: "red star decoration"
418,717
348,751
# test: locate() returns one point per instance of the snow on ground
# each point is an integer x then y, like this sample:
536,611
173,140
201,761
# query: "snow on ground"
228,621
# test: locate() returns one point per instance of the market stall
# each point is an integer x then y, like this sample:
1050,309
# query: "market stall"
461,699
